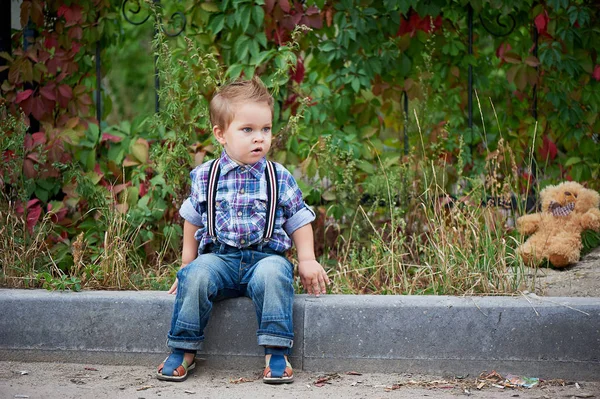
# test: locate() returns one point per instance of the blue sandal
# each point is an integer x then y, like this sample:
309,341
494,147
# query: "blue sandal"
175,362
278,366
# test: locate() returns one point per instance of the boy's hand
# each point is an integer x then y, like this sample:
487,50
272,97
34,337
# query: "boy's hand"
173,289
313,277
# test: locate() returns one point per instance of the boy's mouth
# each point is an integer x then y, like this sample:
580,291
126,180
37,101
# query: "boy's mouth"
257,150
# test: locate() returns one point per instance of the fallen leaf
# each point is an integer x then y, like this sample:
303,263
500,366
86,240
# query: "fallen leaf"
353,373
145,387
393,387
240,380
190,392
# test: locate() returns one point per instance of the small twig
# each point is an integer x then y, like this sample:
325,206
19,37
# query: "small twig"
477,306
525,296
562,304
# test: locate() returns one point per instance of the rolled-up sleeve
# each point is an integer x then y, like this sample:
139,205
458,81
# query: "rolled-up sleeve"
189,213
303,217
295,210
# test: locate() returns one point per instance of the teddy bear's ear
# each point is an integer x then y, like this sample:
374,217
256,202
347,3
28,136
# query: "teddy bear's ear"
547,195
587,199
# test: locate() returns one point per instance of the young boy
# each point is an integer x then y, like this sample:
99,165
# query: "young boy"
242,215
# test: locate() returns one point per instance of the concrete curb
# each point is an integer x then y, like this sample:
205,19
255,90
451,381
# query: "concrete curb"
534,336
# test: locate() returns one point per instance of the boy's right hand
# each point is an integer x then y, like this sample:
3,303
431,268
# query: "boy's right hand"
173,289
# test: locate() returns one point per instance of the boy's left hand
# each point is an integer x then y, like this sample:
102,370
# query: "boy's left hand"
313,277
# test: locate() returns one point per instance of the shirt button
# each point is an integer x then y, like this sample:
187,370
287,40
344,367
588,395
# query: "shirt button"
242,241
218,204
240,213
242,191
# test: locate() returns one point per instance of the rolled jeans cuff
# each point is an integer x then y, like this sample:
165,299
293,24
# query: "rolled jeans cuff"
186,345
272,340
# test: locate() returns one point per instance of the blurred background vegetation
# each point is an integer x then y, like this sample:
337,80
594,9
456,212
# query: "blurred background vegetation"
371,115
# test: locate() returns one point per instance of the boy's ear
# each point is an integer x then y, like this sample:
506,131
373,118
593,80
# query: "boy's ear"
218,133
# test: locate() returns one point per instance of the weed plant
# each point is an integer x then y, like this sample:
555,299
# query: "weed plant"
437,242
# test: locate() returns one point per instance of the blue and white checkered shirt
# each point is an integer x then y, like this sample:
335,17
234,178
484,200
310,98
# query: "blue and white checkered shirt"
241,205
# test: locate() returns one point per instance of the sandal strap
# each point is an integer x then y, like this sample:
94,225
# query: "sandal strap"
174,361
277,364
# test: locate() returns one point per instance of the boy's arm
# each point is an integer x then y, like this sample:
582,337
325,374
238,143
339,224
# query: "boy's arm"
312,275
190,249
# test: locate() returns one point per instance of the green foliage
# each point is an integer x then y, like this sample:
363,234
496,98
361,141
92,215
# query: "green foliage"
340,72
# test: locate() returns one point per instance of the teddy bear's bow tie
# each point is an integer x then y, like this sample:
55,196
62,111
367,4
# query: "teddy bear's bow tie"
558,210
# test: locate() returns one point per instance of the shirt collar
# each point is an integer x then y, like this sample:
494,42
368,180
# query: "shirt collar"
256,169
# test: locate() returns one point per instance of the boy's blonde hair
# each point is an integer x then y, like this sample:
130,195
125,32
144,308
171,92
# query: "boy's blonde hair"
222,105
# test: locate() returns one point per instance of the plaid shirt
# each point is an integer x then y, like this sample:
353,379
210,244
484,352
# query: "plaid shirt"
241,205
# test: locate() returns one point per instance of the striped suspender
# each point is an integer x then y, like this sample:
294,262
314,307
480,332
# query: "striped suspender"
272,195
213,180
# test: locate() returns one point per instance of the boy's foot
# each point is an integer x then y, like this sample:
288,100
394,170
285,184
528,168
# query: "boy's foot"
176,365
278,369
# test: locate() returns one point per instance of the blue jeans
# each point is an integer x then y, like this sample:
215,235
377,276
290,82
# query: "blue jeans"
263,275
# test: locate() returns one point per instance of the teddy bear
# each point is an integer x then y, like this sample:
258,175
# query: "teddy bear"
555,233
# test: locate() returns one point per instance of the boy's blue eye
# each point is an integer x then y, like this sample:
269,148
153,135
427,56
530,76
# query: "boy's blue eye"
247,130
266,129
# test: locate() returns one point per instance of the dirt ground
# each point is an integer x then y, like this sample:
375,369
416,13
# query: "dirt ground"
581,279
45,380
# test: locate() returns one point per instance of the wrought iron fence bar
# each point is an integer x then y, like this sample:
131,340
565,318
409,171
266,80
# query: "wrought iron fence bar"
98,85
470,83
29,34
405,133
136,9
501,24
534,111
156,79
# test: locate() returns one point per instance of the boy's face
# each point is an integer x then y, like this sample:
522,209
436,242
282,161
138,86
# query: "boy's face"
248,137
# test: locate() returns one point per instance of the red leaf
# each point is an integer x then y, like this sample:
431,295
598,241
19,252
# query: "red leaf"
48,92
110,137
62,10
65,91
541,22
504,48
34,210
24,95
596,73
285,5
269,4
298,74
548,150
50,42
143,189
38,108
38,138
76,32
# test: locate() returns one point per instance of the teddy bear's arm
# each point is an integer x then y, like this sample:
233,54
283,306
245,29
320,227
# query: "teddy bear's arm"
528,224
591,220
